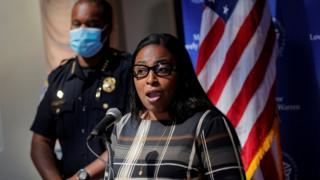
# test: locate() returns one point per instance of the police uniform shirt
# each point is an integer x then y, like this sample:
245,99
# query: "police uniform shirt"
75,101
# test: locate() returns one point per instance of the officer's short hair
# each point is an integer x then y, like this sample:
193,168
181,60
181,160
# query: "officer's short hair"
106,9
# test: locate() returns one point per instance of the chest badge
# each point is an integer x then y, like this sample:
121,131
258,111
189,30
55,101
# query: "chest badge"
109,84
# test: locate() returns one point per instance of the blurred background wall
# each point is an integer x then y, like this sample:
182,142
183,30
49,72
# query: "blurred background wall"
22,73
24,67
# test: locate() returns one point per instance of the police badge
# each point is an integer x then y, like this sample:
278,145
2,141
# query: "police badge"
109,84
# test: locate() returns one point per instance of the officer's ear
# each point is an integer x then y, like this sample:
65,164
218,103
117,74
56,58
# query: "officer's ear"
107,29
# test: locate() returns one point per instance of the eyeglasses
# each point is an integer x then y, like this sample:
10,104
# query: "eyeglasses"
160,69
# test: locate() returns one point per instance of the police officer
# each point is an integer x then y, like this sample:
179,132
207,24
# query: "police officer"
79,93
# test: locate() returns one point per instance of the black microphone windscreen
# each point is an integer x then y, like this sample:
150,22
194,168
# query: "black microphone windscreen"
115,112
112,116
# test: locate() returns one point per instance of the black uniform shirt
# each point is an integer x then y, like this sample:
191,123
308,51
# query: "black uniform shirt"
75,101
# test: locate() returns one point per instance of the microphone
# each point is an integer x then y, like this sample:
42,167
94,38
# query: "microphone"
113,115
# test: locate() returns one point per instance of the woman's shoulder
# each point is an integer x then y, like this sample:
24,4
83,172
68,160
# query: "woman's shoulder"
209,114
209,119
124,119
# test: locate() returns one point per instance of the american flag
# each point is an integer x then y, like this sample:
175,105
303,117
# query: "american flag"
237,68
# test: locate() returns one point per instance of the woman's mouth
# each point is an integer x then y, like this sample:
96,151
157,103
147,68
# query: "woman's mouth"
153,96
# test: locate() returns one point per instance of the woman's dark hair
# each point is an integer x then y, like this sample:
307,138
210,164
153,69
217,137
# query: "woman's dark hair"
190,97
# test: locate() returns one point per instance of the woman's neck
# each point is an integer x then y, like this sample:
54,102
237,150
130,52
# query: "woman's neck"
155,115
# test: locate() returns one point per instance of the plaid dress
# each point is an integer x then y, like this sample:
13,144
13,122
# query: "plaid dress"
202,147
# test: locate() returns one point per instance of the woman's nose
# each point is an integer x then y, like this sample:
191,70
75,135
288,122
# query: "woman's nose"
152,78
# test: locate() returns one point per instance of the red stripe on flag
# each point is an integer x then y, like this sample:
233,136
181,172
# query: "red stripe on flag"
209,43
253,80
244,35
259,131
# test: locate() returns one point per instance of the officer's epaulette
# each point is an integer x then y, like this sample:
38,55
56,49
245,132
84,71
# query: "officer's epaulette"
121,58
60,69
113,52
65,61
124,56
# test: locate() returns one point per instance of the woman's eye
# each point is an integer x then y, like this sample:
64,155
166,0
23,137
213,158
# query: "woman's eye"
140,71
163,69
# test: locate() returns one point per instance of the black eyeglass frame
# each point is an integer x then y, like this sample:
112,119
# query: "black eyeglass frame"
171,66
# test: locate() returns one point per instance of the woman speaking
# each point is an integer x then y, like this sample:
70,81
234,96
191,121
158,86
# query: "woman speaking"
172,131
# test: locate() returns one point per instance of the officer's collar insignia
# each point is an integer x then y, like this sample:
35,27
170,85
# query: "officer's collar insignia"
73,68
109,84
105,65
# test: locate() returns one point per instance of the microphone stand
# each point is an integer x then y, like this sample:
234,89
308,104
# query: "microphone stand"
108,174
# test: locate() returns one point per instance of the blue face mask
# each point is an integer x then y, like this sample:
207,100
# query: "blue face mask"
86,41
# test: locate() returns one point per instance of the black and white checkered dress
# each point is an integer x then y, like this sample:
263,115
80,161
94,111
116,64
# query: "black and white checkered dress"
202,147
